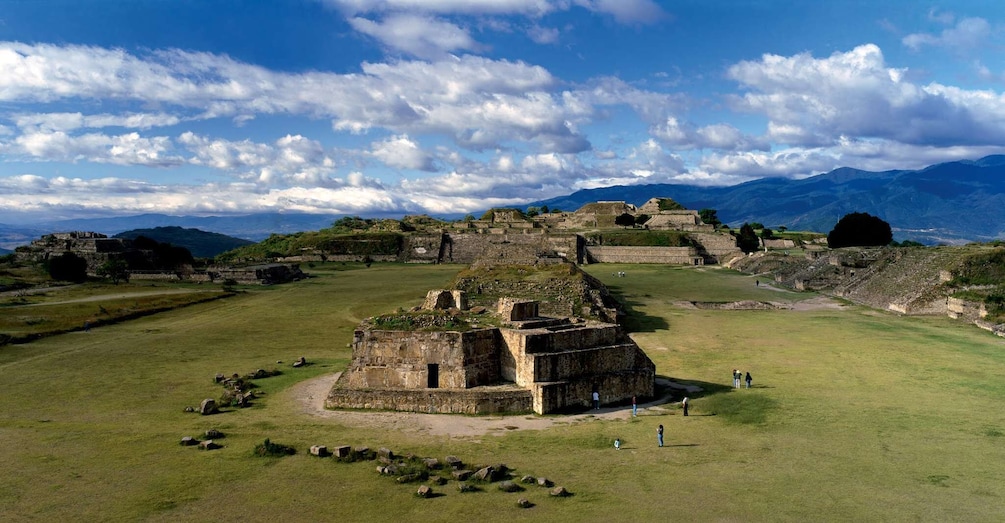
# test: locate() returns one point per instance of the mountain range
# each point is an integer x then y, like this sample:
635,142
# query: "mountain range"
951,203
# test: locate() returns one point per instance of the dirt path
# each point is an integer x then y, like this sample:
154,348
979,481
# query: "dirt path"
309,397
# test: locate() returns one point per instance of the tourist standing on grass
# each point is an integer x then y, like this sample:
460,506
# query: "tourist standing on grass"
617,443
596,400
683,404
659,435
635,407
736,378
749,379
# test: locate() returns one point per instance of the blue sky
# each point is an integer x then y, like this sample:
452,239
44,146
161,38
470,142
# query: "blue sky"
377,107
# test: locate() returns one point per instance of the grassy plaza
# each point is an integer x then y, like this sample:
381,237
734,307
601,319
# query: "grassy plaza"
855,414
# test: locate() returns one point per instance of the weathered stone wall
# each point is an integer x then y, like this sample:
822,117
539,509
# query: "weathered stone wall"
571,338
613,388
667,255
508,247
433,401
400,359
717,247
422,248
966,310
259,274
566,365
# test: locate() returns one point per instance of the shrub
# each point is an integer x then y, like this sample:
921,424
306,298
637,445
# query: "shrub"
273,450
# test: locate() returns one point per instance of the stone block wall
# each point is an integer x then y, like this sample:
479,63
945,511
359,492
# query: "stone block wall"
667,255
554,340
967,310
400,359
566,365
432,400
614,388
422,248
508,246
719,247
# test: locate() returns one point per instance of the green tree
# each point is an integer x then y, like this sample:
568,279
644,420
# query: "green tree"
747,240
756,225
67,267
625,220
115,270
767,233
533,211
642,219
710,217
544,209
859,229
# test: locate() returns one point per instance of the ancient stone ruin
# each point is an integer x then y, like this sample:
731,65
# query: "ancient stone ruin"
527,363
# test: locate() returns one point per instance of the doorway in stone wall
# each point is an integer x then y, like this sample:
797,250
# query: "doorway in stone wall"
433,375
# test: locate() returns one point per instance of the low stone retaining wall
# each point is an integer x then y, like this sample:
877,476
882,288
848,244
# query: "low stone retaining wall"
432,400
667,255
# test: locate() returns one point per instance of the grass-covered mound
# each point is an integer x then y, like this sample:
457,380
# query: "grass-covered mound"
561,289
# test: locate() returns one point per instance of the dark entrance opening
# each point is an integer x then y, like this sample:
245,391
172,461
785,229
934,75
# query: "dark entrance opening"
433,375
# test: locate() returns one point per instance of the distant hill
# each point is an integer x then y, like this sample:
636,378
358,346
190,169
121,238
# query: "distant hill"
953,202
201,244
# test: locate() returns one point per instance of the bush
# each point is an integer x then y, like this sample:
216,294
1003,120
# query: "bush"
273,450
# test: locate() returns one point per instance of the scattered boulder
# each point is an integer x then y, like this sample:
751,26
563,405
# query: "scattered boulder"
509,486
407,478
488,474
190,409
524,503
343,451
560,492
208,445
424,491
454,462
385,453
320,451
300,362
466,487
208,406
462,475
530,480
189,441
440,480
545,482
431,463
219,378
213,434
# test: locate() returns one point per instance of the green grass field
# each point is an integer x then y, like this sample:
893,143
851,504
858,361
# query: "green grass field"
855,415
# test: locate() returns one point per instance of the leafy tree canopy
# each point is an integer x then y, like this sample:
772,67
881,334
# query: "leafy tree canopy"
859,229
67,267
624,220
709,216
747,240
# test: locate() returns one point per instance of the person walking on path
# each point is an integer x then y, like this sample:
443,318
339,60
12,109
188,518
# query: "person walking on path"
749,379
596,400
635,407
683,404
659,435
